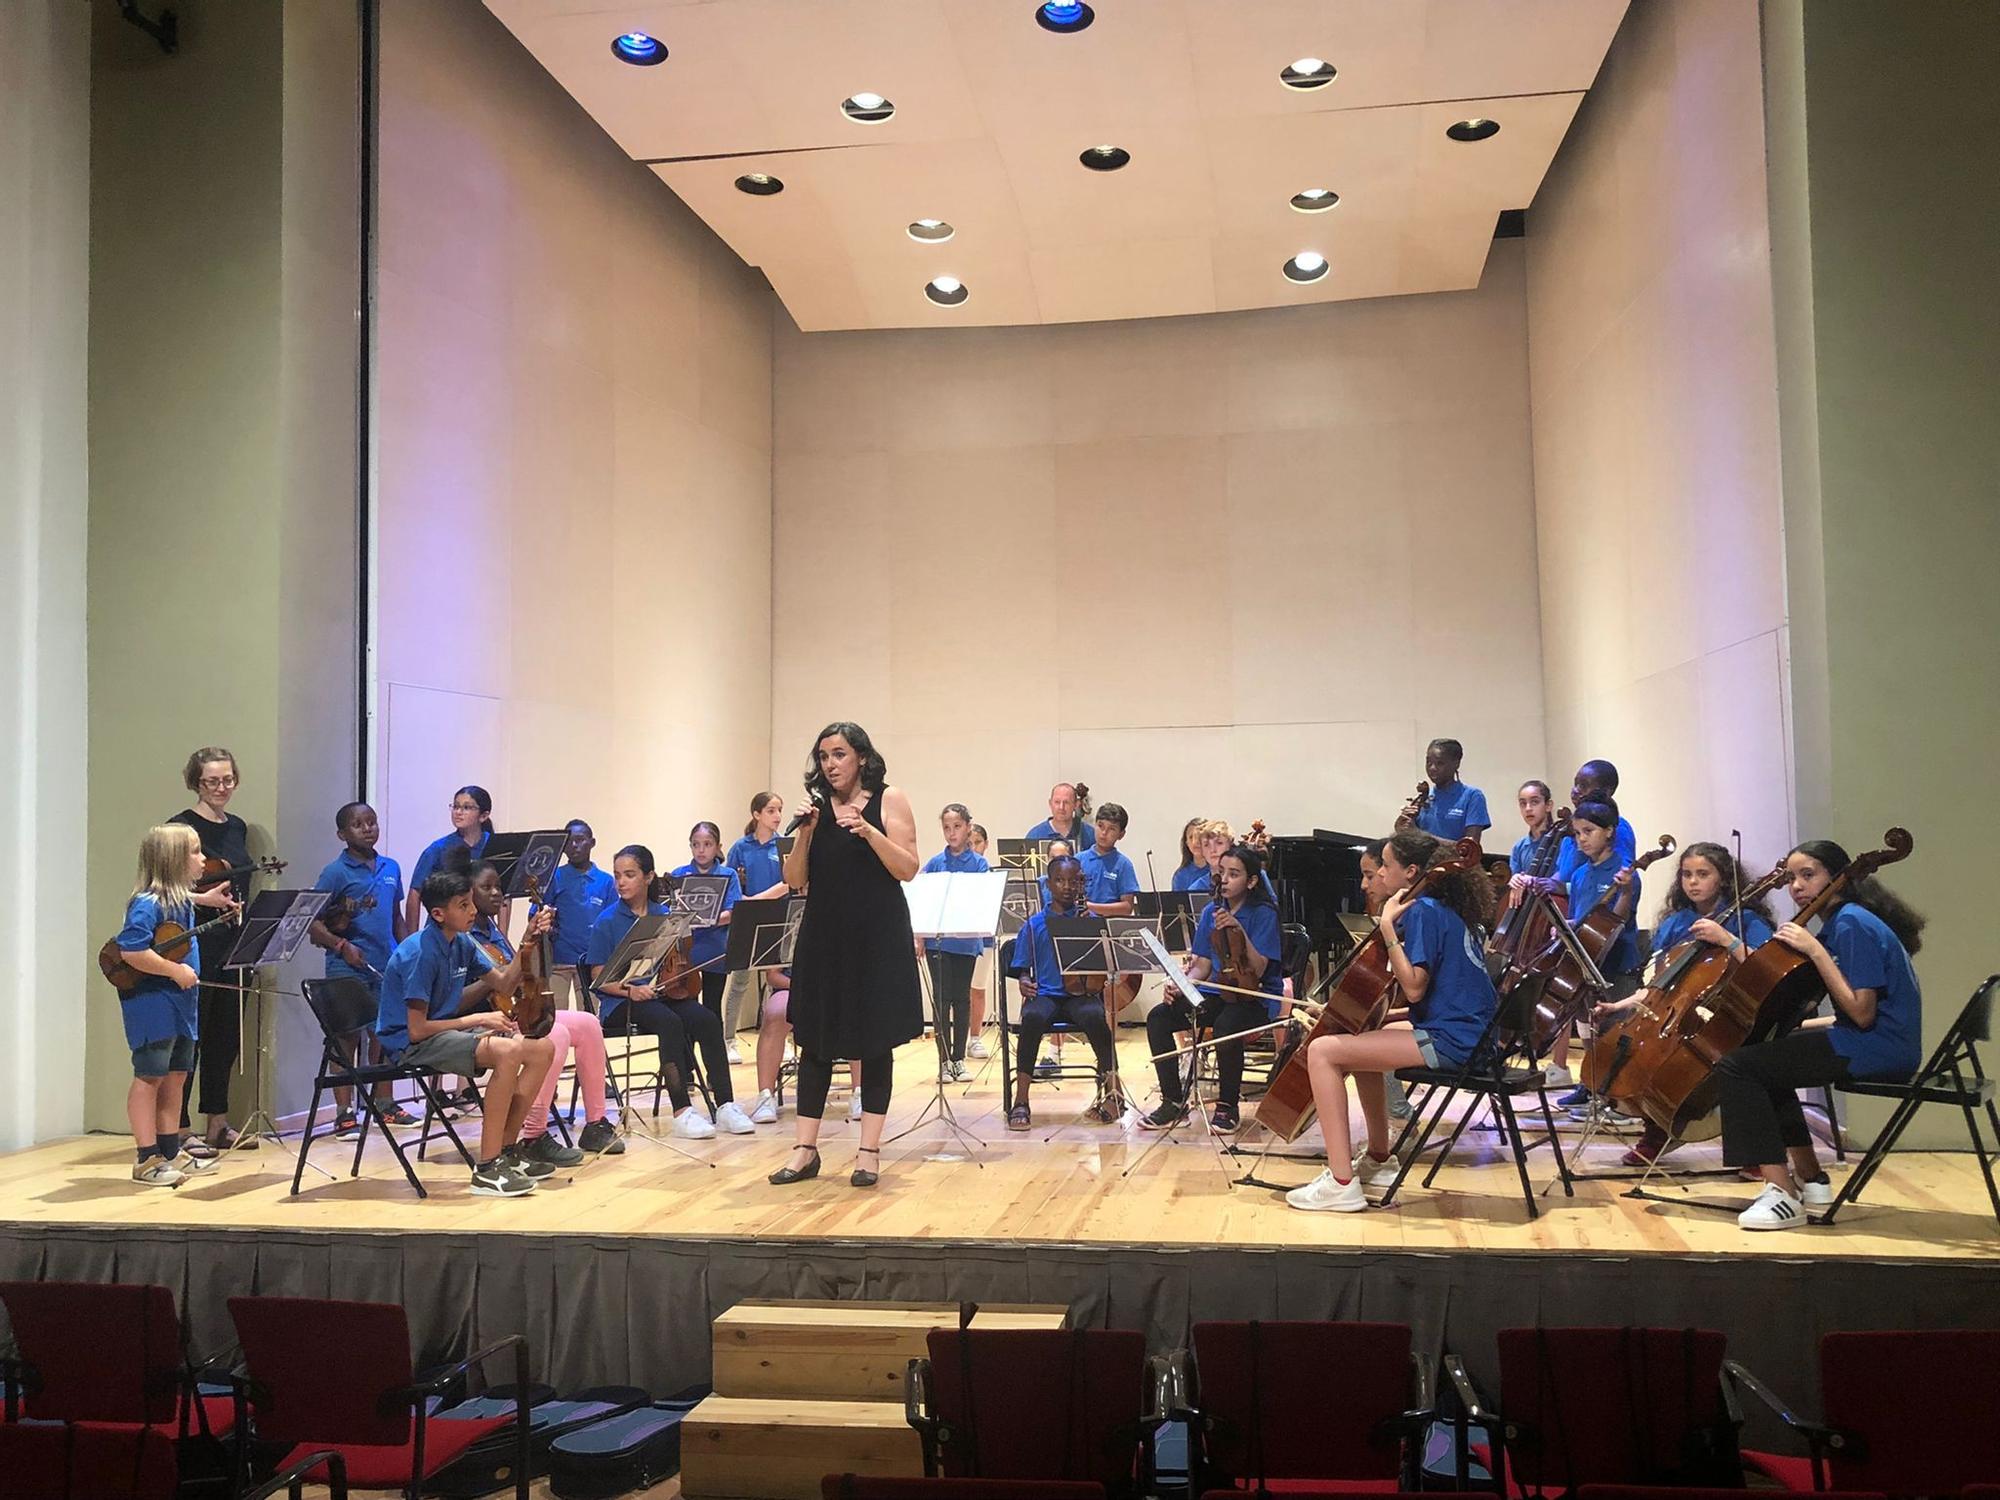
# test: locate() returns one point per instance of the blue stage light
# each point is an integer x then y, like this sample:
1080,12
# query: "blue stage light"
1057,15
639,49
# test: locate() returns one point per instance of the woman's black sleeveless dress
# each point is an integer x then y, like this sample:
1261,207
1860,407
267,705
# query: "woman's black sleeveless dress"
855,991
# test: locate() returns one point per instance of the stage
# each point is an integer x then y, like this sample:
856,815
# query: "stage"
615,1270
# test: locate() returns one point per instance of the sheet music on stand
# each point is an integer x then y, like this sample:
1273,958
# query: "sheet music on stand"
275,926
1129,953
1175,913
1163,962
701,897
956,903
1021,900
644,948
1080,944
524,857
762,933
1018,854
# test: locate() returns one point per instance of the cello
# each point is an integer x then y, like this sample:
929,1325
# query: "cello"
1356,999
1523,928
1667,1071
1564,987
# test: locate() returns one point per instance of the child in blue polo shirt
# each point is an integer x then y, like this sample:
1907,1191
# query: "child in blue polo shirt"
1454,810
471,828
578,893
1045,998
1595,781
1537,814
432,1017
951,959
1194,857
161,1012
1111,889
367,904
1861,954
711,944
760,870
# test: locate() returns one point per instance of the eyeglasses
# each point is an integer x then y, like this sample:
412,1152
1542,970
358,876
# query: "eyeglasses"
471,807
217,783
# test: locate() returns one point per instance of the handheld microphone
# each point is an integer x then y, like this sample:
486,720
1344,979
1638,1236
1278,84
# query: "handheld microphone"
800,816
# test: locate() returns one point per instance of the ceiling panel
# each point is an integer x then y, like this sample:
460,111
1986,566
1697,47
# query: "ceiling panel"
992,111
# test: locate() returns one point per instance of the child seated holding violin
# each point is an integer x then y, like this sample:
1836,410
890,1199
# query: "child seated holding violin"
1435,946
1243,920
575,1033
432,1017
1049,996
1701,908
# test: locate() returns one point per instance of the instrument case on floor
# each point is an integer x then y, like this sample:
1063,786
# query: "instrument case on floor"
620,1454
488,1465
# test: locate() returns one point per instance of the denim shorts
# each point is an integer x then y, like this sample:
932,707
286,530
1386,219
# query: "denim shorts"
1425,1046
170,1054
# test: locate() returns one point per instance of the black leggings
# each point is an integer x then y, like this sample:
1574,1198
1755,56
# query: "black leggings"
951,996
1757,1087
878,1078
221,1037
1084,1013
713,983
652,1018
1225,1016
704,1030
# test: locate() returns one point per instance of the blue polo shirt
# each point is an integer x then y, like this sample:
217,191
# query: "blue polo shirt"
373,928
428,969
434,851
1453,810
1186,876
1592,884
1675,927
964,863
158,1010
1079,835
487,931
1035,953
1871,958
1460,999
757,866
1107,877
710,943
578,898
1624,844
1522,857
605,935
1260,925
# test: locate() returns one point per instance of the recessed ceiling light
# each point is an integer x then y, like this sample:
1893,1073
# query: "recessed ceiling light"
1307,73
638,49
1473,130
1315,200
759,184
946,291
866,109
1057,16
1105,158
931,231
1307,265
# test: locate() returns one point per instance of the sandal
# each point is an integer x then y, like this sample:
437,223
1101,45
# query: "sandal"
862,1178
1018,1118
787,1175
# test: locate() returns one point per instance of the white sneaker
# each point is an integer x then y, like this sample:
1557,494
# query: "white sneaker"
153,1172
1816,1194
1774,1209
977,1048
732,1119
190,1166
1558,1078
1324,1195
1376,1174
690,1126
735,1057
765,1110
854,1107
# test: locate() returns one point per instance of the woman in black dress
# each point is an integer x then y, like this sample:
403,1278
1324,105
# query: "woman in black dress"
212,776
855,992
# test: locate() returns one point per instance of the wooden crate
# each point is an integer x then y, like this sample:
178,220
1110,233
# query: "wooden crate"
738,1449
839,1351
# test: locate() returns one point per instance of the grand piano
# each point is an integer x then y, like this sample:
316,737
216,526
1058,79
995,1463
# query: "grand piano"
1318,880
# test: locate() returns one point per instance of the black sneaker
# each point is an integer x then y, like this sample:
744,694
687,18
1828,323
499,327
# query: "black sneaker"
1224,1118
546,1148
528,1166
1165,1117
602,1135
499,1179
1047,1068
400,1117
347,1127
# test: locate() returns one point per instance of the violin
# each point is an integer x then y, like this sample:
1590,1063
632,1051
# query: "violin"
338,915
173,941
677,977
1664,1057
1414,808
214,871
1232,951
1357,997
1563,987
1257,838
530,1005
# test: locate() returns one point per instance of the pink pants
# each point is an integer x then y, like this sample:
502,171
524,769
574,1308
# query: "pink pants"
578,1032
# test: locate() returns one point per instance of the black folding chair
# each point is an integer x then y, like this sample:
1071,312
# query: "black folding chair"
343,1007
1952,1076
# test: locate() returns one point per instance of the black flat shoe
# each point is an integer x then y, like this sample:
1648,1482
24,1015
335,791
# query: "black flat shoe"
785,1176
867,1179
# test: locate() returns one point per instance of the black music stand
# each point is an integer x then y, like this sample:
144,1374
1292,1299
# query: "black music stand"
1084,950
1175,915
524,858
275,926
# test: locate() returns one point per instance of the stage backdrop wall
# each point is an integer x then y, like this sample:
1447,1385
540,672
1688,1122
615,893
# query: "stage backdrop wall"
1242,565
573,544
1652,358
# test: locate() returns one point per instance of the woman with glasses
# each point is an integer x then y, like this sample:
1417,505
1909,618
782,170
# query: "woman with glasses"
471,827
212,776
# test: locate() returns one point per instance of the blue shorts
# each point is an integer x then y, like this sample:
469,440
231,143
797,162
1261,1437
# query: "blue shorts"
1425,1046
171,1054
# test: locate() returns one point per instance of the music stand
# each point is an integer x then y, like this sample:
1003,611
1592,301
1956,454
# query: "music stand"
522,858
1174,914
1019,854
275,925
1197,1110
1084,950
634,961
950,904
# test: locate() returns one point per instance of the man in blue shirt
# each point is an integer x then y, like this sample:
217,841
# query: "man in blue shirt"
367,907
1062,821
1453,810
434,1016
578,892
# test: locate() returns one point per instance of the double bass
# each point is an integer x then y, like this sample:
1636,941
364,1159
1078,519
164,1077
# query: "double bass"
1564,989
1663,1060
1354,1000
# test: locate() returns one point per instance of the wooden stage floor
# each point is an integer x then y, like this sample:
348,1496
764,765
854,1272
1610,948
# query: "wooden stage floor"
1016,1189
